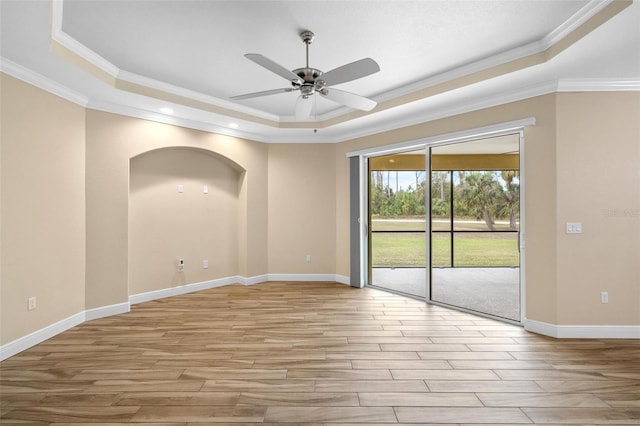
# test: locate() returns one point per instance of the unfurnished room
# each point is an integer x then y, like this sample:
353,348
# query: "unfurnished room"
320,212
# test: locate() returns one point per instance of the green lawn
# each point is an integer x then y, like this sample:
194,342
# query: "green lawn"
471,249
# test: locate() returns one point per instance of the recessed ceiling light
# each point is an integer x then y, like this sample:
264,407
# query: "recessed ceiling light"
166,110
234,125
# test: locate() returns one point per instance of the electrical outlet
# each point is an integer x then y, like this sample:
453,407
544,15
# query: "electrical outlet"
205,264
308,258
31,303
574,228
604,297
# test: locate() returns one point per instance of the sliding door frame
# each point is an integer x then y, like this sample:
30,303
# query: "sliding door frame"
501,129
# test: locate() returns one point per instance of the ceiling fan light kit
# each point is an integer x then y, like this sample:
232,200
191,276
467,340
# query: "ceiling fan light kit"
310,81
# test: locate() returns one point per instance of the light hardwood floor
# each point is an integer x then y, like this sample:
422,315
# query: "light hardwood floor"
316,353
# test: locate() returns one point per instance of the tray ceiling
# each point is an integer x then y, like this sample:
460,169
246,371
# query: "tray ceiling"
436,57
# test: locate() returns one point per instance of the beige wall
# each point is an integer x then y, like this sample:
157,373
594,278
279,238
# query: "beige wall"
538,180
581,165
165,225
65,176
302,213
598,168
42,220
112,140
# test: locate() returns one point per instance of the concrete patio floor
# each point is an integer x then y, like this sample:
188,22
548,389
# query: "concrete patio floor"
494,291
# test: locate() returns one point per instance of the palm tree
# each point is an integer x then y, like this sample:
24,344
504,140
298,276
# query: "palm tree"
510,203
480,196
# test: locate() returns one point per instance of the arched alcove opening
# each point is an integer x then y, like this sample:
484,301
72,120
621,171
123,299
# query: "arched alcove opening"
184,203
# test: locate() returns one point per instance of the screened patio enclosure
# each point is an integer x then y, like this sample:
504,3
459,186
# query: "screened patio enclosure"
471,258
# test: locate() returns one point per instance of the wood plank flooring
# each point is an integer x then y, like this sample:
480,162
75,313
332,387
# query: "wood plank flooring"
315,353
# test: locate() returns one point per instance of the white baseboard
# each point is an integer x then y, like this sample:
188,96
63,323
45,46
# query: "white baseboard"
12,348
183,289
23,343
309,277
205,285
583,331
254,280
106,311
342,279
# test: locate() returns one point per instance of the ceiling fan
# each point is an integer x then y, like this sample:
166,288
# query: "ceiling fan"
310,81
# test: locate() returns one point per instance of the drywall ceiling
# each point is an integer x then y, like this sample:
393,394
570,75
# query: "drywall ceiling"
436,58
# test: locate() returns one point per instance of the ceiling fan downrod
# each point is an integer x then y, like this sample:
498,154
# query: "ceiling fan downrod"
307,37
307,74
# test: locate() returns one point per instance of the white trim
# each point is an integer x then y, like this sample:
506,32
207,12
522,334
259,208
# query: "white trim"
135,112
574,22
41,82
522,230
107,311
501,58
432,114
565,85
303,277
256,279
342,279
583,331
427,226
364,220
151,83
535,47
23,343
447,138
598,85
74,45
205,285
183,289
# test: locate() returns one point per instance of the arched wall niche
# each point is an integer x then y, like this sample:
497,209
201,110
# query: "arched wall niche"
112,141
184,203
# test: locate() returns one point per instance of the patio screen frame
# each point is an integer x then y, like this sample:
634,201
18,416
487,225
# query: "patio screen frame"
499,129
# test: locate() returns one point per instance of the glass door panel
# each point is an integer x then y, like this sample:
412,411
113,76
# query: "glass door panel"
474,254
397,223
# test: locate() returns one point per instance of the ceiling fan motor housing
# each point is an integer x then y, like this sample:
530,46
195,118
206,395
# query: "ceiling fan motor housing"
310,81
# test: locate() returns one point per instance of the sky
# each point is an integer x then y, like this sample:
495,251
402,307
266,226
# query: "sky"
406,179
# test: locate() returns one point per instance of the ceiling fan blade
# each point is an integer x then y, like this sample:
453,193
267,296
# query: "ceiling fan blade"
349,99
273,67
264,93
349,72
303,107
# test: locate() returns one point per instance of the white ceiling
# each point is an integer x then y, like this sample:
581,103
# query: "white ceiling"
194,49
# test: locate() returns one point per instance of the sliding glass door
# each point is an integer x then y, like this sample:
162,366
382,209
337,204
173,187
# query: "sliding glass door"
444,225
397,221
475,223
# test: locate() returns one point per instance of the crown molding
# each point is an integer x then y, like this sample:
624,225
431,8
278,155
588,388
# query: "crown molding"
28,76
491,130
145,86
173,120
294,135
598,85
137,79
579,18
533,48
75,46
